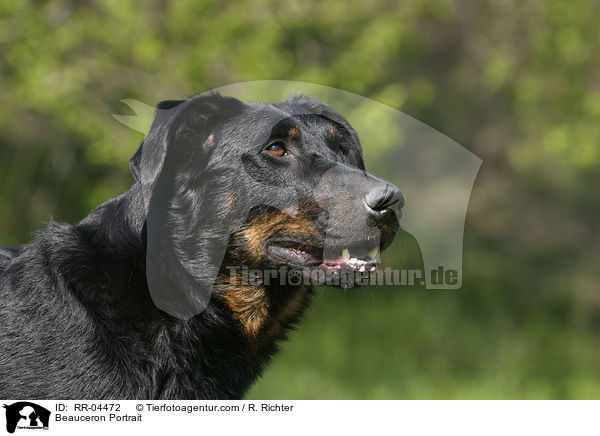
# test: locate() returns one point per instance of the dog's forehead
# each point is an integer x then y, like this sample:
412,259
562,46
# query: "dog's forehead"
270,115
258,121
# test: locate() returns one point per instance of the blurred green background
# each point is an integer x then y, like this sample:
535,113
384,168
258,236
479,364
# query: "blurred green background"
517,83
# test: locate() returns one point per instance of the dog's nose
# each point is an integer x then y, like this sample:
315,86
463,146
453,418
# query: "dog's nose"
383,200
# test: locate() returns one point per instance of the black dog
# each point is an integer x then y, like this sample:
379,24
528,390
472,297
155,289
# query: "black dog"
145,298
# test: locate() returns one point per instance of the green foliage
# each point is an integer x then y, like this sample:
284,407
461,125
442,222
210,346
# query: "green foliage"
515,82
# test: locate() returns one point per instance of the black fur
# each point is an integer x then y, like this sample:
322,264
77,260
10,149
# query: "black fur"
76,317
77,321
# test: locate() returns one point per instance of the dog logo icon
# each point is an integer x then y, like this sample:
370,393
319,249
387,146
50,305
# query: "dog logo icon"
26,415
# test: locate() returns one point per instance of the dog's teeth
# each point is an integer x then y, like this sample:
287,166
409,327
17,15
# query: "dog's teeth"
346,254
374,252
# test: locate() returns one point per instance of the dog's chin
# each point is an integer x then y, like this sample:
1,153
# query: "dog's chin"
360,257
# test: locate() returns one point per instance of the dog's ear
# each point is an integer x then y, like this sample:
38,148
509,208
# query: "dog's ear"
180,125
135,163
183,249
148,159
168,104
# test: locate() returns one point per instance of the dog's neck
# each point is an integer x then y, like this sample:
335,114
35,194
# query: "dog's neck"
239,328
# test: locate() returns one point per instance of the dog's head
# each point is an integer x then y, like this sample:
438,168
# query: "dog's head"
260,185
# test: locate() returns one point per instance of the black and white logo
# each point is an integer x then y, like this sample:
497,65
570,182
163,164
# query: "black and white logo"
26,415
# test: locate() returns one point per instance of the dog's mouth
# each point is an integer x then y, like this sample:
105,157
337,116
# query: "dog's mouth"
353,257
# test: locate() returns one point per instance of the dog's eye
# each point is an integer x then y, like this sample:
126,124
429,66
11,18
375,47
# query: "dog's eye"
276,149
